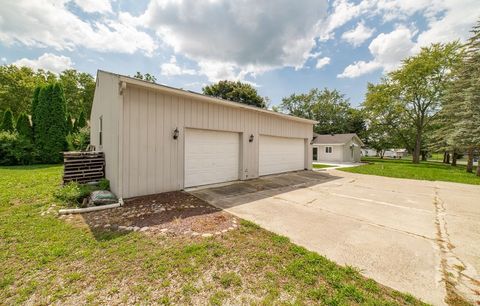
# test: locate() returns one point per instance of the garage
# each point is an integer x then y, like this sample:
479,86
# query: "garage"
211,157
281,154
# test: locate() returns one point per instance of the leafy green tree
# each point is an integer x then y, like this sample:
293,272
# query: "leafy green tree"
146,77
17,85
23,126
329,107
7,122
235,91
80,123
79,89
50,129
420,84
69,125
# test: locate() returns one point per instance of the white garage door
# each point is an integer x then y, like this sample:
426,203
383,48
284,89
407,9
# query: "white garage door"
211,157
280,154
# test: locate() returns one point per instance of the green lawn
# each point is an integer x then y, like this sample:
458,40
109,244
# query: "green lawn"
404,168
320,166
45,260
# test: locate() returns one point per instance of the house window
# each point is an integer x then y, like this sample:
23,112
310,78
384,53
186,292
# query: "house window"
315,153
328,149
100,131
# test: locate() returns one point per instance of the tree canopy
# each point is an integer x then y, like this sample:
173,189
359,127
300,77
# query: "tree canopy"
235,91
7,122
145,77
329,107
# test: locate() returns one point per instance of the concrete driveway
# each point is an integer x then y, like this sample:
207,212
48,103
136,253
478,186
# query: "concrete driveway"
414,236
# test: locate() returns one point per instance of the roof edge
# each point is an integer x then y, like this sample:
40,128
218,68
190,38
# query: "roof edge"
197,95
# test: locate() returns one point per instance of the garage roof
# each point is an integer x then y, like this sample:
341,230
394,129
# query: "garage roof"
173,90
334,138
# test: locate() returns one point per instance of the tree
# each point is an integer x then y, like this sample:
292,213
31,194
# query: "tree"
7,122
69,124
329,107
81,122
78,89
33,108
235,91
17,85
145,77
50,129
23,126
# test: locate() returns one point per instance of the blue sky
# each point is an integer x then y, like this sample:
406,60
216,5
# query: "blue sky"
279,46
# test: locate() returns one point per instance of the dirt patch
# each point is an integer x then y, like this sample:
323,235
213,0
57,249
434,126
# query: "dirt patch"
173,213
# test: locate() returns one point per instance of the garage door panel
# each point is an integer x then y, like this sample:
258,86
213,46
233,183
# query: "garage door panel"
281,154
211,157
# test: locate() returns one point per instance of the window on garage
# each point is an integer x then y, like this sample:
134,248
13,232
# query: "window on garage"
328,149
315,153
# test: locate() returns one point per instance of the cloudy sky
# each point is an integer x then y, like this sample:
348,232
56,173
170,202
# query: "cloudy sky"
280,46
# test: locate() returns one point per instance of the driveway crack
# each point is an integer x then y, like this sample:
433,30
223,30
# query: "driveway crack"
459,284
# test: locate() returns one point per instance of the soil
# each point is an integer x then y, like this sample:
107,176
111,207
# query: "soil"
172,213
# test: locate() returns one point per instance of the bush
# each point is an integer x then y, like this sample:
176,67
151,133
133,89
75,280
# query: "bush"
15,149
73,193
7,122
79,141
23,126
104,184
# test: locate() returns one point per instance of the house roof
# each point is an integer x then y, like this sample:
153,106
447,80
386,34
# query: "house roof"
189,93
335,138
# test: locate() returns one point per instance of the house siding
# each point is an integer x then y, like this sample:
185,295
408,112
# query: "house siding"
153,161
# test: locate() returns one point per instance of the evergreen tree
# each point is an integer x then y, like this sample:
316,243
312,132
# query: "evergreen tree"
50,129
81,122
24,127
33,109
69,124
7,123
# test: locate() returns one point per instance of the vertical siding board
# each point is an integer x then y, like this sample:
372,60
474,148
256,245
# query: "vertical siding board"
180,154
126,141
151,161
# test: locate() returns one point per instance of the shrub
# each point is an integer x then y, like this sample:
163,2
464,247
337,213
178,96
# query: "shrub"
7,122
23,126
15,149
80,123
104,184
73,193
78,141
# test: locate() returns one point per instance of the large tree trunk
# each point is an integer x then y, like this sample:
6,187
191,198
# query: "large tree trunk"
418,145
444,157
448,158
478,167
470,160
454,158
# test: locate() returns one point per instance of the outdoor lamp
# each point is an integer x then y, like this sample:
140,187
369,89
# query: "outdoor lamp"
175,133
250,139
313,140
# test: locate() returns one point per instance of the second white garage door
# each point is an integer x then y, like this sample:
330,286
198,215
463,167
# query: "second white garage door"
280,154
211,157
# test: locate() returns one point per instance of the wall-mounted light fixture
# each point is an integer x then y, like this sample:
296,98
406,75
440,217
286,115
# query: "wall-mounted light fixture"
313,140
250,139
175,133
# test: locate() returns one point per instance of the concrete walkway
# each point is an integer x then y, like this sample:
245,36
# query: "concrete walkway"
413,236
337,165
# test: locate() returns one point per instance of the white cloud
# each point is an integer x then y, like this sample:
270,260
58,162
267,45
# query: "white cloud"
4,59
47,61
322,62
388,49
358,35
94,6
232,38
171,68
50,24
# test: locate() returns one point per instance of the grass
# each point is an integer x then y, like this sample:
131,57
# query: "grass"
46,260
404,168
320,166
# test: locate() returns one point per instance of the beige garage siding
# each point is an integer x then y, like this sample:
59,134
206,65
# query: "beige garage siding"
153,161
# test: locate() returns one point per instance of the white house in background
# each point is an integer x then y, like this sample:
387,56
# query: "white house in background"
336,148
369,152
158,138
395,153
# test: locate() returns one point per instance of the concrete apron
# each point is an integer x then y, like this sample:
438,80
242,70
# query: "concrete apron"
410,235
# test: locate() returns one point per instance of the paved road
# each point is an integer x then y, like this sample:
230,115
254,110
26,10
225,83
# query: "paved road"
407,234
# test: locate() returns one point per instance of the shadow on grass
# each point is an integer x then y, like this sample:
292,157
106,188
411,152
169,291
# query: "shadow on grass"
30,167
